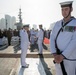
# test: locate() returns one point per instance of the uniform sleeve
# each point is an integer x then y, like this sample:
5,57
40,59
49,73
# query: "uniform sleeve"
52,41
42,32
71,47
37,34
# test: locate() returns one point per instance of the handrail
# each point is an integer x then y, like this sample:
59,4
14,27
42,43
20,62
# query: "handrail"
29,55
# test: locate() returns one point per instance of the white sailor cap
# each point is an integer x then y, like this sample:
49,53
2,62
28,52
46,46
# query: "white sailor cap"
66,3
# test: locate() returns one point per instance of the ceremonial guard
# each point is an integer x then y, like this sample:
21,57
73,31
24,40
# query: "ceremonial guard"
24,45
40,39
63,42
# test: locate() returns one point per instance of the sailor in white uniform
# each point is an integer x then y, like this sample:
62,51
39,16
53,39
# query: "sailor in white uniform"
65,41
40,39
24,45
32,36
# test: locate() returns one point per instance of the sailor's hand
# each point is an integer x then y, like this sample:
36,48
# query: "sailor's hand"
58,58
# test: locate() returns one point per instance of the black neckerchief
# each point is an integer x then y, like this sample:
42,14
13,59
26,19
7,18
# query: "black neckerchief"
64,24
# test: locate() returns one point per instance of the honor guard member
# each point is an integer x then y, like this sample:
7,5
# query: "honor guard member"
24,45
63,41
40,39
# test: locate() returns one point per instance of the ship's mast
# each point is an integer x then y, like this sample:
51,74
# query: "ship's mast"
20,19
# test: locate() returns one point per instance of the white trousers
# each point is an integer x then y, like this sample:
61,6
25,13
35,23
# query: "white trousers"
40,46
70,67
23,54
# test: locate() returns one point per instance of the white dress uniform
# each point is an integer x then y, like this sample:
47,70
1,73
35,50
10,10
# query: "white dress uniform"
40,40
24,46
66,42
32,37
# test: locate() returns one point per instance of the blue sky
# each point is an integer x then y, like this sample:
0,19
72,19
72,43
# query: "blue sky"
34,11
